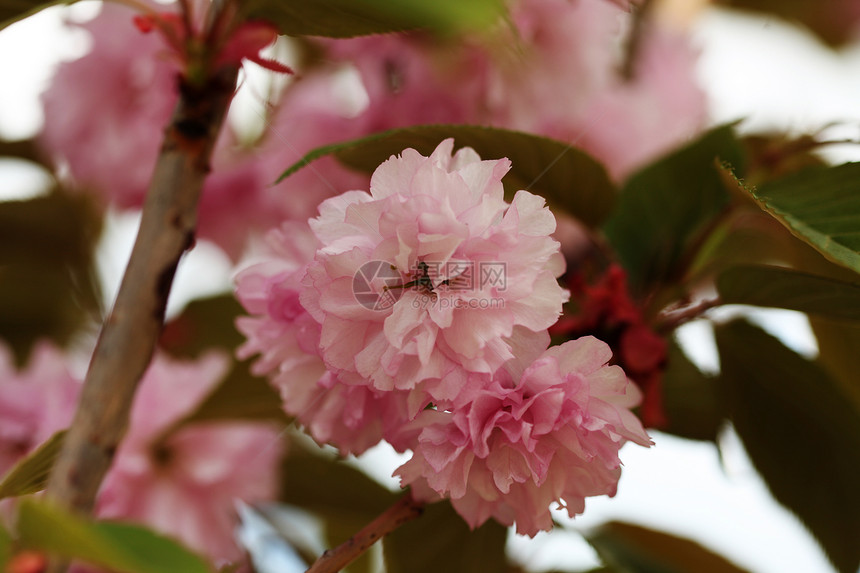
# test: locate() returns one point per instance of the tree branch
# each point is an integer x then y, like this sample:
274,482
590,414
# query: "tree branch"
333,560
128,337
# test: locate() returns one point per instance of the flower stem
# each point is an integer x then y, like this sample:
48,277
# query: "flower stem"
129,335
333,560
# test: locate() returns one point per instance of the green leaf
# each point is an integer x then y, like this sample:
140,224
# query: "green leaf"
568,178
801,434
123,548
665,210
31,473
204,324
785,288
440,540
48,286
628,547
690,399
837,353
838,340
820,206
333,490
5,548
241,396
345,498
349,18
12,11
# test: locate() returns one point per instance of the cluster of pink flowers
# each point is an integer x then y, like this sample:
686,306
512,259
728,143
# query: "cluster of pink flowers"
183,483
551,434
373,325
107,140
554,72
416,312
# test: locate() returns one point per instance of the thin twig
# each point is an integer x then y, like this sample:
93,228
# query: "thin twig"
128,337
633,45
671,320
333,560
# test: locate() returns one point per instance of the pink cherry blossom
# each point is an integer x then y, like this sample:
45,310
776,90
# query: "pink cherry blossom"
635,121
35,401
108,138
450,270
313,111
283,333
564,55
626,4
567,84
522,443
555,72
412,78
186,485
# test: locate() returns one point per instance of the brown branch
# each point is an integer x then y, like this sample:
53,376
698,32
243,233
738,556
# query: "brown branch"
128,337
333,560
633,44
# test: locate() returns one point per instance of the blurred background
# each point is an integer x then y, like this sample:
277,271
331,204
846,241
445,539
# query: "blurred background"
764,72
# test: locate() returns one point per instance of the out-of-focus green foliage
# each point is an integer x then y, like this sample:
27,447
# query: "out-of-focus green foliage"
569,179
441,541
13,10
119,547
690,398
794,290
348,18
5,548
627,547
345,498
31,473
47,282
801,433
667,209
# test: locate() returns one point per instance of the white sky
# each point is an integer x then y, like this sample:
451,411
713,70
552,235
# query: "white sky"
755,68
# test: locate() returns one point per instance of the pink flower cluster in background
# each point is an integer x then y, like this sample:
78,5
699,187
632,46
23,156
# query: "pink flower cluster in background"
372,324
554,72
108,139
35,401
183,483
